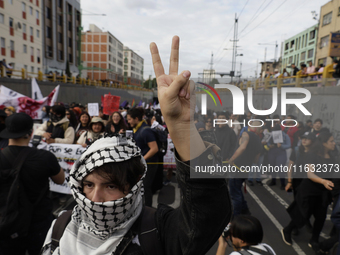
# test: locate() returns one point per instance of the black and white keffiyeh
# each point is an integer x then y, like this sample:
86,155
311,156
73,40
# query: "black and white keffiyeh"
99,227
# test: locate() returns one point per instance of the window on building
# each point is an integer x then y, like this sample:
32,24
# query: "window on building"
37,14
125,67
110,39
60,20
312,35
303,56
2,18
327,18
12,45
3,46
10,1
339,12
310,53
31,31
324,41
60,54
11,22
109,58
49,52
292,44
25,48
38,55
290,60
24,28
48,13
120,63
70,58
69,9
38,33
25,67
60,37
70,42
126,60
31,10
120,55
32,51
110,48
23,7
125,54
49,32
322,61
114,60
32,69
60,3
69,26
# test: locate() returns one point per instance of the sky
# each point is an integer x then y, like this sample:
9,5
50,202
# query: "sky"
205,27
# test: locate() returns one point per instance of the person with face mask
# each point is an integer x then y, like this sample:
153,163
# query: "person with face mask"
107,184
58,129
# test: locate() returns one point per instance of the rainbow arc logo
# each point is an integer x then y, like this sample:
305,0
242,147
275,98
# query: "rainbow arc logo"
209,93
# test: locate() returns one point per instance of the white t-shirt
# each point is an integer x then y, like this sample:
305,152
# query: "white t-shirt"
260,246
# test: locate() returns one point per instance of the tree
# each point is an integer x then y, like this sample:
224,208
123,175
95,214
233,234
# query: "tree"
213,82
68,72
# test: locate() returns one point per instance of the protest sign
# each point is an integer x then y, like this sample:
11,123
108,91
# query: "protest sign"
93,109
110,104
277,136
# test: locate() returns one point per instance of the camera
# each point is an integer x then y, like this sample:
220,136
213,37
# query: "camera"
226,232
36,140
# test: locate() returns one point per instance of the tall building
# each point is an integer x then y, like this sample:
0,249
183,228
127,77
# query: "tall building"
301,48
62,22
21,43
329,22
102,55
133,68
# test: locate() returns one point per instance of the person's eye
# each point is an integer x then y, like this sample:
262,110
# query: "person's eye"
111,186
88,185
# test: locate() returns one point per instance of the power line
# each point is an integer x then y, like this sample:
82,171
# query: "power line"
243,9
267,16
253,18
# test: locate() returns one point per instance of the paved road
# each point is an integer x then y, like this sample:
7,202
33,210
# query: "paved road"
266,203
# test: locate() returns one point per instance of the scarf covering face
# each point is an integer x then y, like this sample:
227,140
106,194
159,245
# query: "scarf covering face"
95,227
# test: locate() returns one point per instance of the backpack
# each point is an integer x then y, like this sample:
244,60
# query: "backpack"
16,209
145,225
161,139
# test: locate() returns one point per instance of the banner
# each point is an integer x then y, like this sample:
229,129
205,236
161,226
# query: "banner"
110,103
67,155
334,46
25,104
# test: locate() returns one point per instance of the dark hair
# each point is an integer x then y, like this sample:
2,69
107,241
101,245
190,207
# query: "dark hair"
318,120
309,121
136,113
73,119
318,147
121,123
247,228
158,118
88,115
103,126
292,116
122,173
59,110
226,114
47,108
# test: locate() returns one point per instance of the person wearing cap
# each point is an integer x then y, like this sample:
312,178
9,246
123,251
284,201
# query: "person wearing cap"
276,73
107,184
96,130
9,110
39,166
58,129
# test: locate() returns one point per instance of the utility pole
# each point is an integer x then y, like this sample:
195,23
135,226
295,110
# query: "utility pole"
232,73
211,66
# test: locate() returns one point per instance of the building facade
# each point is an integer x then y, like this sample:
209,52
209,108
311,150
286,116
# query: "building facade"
21,43
329,22
133,68
268,67
62,23
300,49
102,56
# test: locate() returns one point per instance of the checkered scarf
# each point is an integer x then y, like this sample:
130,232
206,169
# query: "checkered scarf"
105,224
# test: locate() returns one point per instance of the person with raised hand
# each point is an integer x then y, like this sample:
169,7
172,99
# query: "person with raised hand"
107,183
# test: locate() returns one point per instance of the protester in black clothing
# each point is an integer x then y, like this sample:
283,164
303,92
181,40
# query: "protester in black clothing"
225,137
314,193
116,124
146,141
297,162
308,126
39,166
